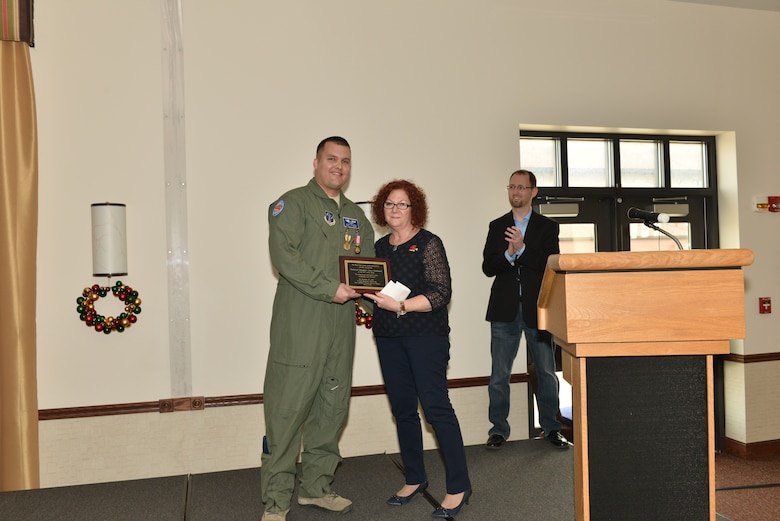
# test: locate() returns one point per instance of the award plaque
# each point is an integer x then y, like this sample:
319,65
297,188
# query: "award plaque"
364,274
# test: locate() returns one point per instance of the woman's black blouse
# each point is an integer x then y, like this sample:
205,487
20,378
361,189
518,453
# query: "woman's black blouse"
421,265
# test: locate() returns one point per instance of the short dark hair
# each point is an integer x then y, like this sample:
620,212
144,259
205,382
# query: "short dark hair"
417,199
531,176
333,139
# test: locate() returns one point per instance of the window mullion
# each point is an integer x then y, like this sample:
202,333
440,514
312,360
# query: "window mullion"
666,164
616,164
564,162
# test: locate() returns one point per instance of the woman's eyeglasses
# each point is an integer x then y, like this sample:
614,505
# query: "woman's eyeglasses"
401,206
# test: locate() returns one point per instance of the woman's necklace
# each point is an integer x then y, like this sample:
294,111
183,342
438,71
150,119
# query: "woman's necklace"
412,234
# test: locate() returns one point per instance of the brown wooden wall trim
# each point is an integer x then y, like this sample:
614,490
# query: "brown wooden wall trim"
750,359
98,410
759,450
199,403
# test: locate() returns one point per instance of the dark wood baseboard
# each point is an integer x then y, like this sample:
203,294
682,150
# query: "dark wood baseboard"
759,450
197,403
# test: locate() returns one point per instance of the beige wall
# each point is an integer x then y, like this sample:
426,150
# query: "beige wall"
115,448
433,91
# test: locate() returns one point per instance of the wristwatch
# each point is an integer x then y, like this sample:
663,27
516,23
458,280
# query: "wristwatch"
401,311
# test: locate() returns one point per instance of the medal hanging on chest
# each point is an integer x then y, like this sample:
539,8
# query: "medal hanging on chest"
351,233
349,239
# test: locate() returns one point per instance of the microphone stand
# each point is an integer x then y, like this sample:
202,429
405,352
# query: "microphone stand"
656,228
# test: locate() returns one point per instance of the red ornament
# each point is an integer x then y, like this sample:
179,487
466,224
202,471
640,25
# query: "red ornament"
363,318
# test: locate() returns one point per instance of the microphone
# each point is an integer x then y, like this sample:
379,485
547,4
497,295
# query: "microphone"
650,217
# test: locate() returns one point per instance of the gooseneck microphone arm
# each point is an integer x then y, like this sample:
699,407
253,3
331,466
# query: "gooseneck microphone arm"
656,228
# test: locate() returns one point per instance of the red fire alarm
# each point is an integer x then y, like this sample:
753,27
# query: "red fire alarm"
774,203
764,305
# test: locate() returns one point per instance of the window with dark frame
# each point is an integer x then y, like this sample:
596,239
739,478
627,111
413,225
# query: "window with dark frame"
588,180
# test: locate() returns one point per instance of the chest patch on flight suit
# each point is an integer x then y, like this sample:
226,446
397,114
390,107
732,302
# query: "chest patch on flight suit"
350,222
278,208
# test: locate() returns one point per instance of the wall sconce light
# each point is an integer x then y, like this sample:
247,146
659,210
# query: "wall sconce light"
770,203
109,239
109,259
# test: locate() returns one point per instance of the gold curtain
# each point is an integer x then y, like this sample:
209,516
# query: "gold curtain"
18,249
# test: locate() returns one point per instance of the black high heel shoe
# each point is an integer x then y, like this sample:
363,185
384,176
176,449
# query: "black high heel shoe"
452,512
399,501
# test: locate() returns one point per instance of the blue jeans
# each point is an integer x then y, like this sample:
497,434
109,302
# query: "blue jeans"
504,343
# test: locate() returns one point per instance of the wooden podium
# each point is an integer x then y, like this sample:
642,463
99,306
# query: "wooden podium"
638,331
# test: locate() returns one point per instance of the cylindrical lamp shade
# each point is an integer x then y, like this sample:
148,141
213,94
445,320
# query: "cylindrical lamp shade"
109,240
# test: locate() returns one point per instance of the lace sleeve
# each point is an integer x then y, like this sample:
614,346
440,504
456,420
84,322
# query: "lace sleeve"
438,282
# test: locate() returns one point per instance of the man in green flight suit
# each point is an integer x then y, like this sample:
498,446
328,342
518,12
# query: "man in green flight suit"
308,377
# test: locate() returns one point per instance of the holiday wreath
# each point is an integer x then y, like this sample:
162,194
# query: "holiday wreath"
90,316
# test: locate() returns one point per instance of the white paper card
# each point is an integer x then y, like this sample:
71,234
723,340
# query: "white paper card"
396,290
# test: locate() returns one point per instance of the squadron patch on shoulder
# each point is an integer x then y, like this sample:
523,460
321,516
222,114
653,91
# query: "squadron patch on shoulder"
278,208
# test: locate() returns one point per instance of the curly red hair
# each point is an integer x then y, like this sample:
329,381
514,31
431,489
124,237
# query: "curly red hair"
416,196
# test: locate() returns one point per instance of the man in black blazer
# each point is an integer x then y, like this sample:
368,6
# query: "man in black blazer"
515,253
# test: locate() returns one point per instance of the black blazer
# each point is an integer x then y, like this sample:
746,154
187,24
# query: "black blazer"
541,241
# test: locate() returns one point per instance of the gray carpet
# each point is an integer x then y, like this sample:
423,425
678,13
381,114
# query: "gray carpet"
158,499
529,480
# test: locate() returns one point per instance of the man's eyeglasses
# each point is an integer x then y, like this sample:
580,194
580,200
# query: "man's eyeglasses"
522,188
401,206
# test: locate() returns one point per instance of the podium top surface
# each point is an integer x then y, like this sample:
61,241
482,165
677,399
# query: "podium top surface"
650,260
